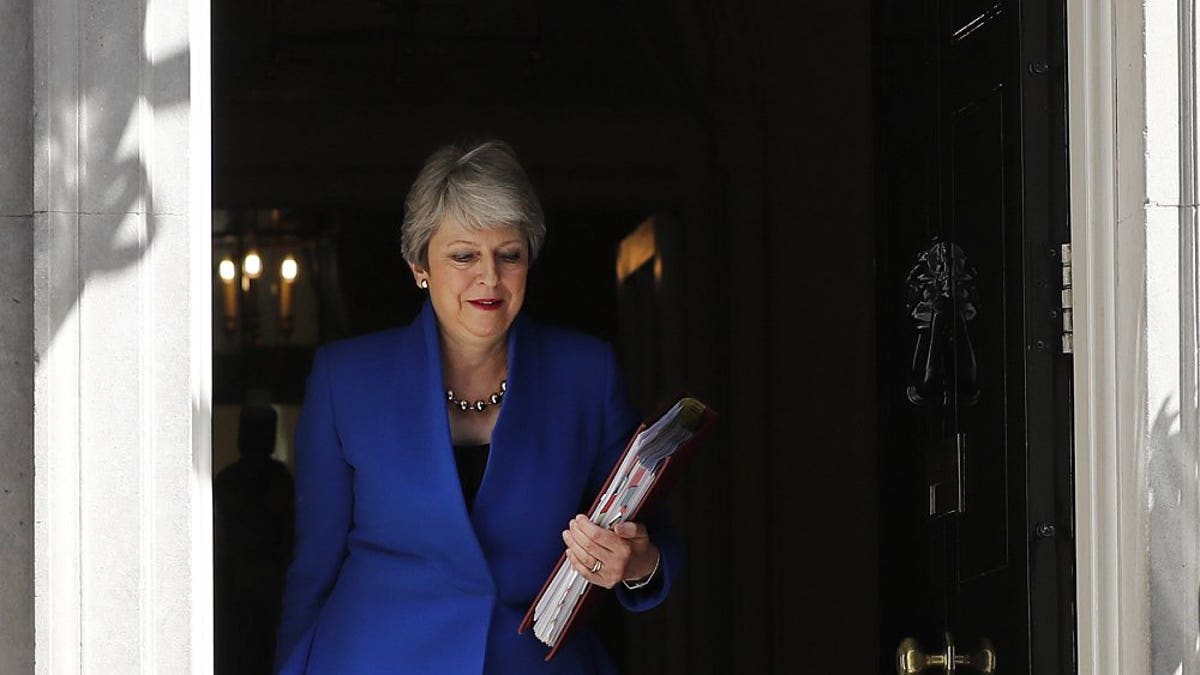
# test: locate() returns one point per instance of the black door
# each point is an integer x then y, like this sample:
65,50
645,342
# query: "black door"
977,547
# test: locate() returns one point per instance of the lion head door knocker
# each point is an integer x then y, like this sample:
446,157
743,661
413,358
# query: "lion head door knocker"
942,301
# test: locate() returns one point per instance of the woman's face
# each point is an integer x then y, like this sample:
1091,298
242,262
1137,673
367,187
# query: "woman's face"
476,280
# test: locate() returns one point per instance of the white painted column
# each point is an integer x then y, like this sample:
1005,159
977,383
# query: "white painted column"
121,266
1133,112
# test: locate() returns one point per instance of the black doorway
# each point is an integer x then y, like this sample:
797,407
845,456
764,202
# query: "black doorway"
747,133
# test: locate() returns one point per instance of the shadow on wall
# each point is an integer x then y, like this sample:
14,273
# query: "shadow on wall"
114,178
1174,482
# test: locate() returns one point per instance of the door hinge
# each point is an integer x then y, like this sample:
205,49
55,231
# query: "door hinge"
1068,325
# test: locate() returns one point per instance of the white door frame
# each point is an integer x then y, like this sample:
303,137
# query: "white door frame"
1131,114
1113,617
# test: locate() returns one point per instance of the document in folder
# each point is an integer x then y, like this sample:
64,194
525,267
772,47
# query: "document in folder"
652,462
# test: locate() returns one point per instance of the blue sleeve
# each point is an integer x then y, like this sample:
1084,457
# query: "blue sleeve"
324,503
620,422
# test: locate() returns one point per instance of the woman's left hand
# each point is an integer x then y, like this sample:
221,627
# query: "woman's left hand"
623,553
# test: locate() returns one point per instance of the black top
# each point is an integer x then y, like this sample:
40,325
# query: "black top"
472,460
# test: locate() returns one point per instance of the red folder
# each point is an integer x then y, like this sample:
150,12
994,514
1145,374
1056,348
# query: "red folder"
668,475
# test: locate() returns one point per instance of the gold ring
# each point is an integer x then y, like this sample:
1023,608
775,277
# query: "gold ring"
597,566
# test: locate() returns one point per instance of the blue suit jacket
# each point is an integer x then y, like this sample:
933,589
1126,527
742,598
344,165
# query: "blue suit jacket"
392,573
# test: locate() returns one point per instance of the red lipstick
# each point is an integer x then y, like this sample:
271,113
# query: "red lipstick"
487,304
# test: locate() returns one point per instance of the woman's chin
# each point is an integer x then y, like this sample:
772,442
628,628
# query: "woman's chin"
489,324
489,330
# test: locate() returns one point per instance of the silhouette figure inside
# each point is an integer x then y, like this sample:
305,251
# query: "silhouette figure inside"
253,512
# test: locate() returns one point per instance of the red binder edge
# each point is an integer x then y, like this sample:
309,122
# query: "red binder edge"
664,481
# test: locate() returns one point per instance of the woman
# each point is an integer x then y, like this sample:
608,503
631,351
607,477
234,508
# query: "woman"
440,466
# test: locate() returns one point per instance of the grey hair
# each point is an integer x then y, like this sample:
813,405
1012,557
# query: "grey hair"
481,185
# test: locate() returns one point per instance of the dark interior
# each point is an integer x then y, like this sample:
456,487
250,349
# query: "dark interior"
745,132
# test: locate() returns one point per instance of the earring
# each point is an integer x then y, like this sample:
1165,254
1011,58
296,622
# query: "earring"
425,284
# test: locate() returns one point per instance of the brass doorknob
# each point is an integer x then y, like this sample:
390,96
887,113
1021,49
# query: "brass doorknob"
910,659
983,660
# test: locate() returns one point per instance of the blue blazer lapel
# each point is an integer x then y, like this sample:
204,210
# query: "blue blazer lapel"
511,459
425,405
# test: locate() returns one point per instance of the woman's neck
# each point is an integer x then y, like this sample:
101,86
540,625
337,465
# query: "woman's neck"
475,370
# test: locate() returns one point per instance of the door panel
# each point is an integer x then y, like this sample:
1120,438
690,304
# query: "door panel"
977,222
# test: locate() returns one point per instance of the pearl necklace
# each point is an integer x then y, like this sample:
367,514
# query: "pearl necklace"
478,406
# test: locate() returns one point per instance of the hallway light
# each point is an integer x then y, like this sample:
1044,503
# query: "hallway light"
252,265
227,269
637,249
288,269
